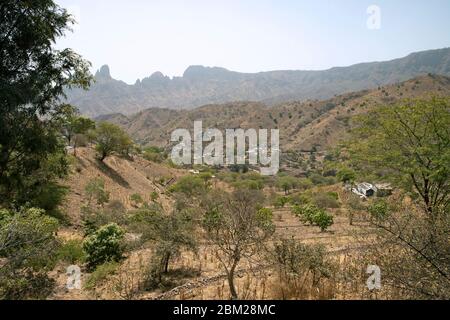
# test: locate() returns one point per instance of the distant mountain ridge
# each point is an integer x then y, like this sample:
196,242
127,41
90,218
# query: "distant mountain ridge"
205,85
303,125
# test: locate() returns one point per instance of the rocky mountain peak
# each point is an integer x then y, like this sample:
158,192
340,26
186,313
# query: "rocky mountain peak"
103,73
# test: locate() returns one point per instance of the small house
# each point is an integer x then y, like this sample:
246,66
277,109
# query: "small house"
384,189
365,190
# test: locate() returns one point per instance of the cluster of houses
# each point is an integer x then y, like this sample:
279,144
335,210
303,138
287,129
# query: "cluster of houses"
366,190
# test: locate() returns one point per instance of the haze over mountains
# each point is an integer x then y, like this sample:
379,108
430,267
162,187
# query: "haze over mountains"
303,125
203,85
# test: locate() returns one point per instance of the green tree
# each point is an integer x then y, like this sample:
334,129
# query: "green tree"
412,141
28,244
409,144
33,77
287,183
238,226
76,127
314,216
171,233
111,139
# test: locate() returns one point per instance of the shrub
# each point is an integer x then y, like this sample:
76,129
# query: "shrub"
189,185
379,210
28,246
305,183
136,199
325,200
333,194
72,252
100,274
314,216
323,220
287,183
305,213
104,245
154,154
154,196
294,258
249,184
93,219
346,175
300,199
95,190
317,179
239,168
49,198
280,202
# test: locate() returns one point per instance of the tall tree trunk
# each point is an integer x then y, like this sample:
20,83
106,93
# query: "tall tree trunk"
166,262
233,291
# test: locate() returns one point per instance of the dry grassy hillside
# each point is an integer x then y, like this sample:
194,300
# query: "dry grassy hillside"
122,177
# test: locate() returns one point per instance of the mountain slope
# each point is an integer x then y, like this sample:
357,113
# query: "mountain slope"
303,125
201,85
122,178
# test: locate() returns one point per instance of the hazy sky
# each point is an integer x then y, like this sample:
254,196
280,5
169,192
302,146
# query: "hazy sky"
138,37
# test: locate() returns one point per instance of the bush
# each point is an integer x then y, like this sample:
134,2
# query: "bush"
300,199
249,184
305,213
154,196
287,183
136,200
280,202
111,139
318,179
294,258
95,190
305,183
72,252
104,245
346,175
379,210
28,246
189,185
323,220
49,198
314,216
101,273
326,200
154,154
93,219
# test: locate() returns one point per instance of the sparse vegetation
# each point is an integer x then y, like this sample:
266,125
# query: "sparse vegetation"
103,195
